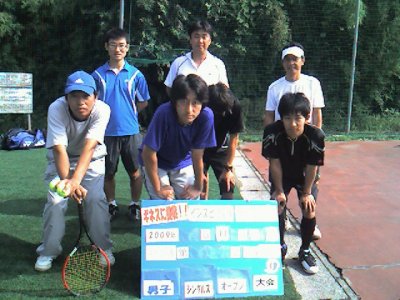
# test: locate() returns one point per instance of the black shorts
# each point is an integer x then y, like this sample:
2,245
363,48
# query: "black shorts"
125,146
288,185
217,161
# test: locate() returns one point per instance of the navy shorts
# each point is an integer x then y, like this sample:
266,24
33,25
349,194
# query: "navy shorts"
125,146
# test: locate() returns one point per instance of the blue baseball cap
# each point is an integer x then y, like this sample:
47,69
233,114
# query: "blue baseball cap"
80,81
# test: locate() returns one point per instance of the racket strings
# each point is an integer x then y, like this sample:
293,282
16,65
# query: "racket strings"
87,271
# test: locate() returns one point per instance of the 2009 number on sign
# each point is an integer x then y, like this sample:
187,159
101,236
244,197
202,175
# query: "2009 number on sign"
162,235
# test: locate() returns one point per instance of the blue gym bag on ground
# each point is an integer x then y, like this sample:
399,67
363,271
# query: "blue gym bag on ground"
18,138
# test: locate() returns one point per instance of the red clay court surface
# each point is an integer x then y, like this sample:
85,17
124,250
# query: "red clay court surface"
358,212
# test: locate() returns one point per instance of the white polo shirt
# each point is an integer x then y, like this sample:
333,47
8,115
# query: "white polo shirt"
308,85
212,70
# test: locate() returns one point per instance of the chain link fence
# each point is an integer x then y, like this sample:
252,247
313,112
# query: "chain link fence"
248,37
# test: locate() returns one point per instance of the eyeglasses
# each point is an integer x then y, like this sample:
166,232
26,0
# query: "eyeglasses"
119,46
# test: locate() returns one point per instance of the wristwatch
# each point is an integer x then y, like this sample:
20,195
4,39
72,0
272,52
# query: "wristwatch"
228,168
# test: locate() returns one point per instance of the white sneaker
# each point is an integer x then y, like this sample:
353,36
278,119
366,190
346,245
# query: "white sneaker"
317,233
288,224
110,256
43,263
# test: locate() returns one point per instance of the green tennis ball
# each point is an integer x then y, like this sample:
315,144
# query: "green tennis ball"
53,183
63,190
63,193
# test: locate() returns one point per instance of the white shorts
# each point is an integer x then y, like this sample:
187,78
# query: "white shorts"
178,179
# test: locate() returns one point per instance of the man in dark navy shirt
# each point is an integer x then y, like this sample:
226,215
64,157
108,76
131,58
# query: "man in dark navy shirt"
295,150
228,123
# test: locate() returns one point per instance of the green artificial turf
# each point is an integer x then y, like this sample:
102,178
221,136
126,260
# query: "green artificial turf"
22,197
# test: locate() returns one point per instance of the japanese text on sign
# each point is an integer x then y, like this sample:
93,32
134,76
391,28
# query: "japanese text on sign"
16,93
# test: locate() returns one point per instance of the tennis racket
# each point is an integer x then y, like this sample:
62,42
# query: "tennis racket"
86,269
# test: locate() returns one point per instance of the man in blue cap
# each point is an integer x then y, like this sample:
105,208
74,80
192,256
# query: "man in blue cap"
76,153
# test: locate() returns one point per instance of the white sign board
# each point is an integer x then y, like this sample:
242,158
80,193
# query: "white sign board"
193,249
16,96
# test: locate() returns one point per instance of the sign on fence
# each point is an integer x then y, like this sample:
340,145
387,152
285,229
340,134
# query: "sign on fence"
16,93
210,249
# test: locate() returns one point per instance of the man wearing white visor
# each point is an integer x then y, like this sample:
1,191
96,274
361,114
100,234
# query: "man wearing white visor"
294,82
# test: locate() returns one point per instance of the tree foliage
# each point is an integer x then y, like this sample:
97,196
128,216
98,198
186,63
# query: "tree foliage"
51,38
379,57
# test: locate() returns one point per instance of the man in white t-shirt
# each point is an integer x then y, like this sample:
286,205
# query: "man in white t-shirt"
295,82
198,61
76,154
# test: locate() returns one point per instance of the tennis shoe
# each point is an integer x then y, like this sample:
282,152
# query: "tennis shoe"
110,257
43,263
288,224
317,233
308,262
134,212
113,210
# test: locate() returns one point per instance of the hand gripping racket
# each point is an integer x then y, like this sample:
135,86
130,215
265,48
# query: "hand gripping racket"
86,269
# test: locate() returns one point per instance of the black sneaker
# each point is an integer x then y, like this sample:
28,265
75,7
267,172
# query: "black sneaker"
308,262
134,212
283,254
113,210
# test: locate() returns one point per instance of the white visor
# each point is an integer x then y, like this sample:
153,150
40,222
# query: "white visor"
296,51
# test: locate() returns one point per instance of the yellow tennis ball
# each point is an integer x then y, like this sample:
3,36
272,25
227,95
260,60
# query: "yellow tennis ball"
53,183
63,190
64,193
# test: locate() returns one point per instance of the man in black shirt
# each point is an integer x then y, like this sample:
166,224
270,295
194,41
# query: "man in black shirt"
228,122
295,150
